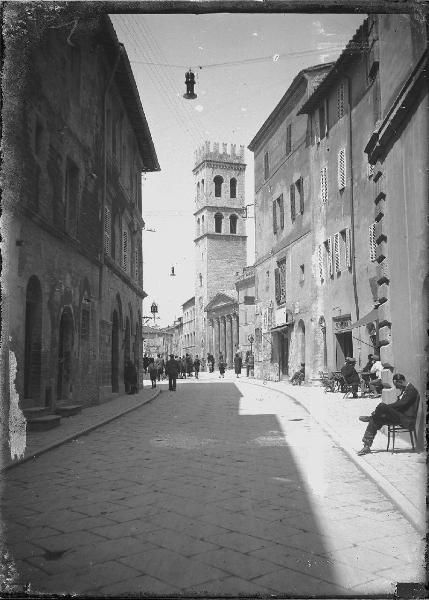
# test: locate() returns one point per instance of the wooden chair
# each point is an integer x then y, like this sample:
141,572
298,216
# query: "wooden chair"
393,429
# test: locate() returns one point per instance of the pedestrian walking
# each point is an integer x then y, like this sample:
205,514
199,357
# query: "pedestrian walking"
250,363
172,369
153,372
402,412
197,364
145,362
183,367
238,362
130,378
189,365
222,366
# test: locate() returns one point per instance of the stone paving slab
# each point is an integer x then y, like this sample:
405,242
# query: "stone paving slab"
400,475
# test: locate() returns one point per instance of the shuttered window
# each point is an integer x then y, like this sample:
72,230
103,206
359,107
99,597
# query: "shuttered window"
125,250
348,249
320,261
281,211
300,187
372,242
330,256
274,217
324,184
136,264
289,139
282,281
369,170
107,230
340,100
337,257
292,203
342,169
277,284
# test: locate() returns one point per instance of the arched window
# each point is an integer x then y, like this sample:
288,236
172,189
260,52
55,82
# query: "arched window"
233,188
218,180
218,222
233,224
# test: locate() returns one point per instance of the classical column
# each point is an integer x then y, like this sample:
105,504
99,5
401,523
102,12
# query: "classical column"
235,333
216,338
229,348
210,336
222,336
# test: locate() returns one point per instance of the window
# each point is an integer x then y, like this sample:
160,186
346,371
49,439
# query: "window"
198,227
340,100
372,242
233,188
320,261
300,187
337,256
71,197
274,216
292,202
202,224
324,184
202,187
370,170
267,281
301,273
107,230
233,224
281,211
347,244
218,222
280,282
289,139
218,180
201,279
329,255
125,250
342,169
266,166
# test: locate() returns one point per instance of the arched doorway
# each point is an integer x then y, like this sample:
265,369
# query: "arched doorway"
33,339
115,352
65,355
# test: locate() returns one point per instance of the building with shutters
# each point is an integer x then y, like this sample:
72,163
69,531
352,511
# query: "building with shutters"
284,193
75,148
188,327
245,286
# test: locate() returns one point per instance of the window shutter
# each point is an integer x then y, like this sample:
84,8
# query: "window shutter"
330,257
274,217
320,261
337,252
125,250
372,242
348,249
324,184
277,284
369,170
342,169
266,166
301,195
340,100
282,211
292,202
136,264
107,230
289,139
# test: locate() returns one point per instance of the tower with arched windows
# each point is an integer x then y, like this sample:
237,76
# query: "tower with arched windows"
220,231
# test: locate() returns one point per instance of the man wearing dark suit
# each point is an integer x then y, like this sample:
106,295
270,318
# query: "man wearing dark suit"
172,368
402,412
350,375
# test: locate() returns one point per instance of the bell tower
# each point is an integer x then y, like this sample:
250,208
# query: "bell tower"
220,230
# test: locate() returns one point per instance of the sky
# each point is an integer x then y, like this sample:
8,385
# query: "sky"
243,64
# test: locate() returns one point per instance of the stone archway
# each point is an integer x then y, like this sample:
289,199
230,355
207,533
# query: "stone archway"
115,352
33,339
65,355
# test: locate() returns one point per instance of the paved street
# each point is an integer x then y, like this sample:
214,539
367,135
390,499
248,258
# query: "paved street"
220,488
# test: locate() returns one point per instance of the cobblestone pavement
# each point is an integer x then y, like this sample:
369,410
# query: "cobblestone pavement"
219,488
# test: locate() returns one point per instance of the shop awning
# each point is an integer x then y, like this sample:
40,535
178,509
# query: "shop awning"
369,318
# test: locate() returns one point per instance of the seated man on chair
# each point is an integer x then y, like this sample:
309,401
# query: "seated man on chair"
350,375
400,412
299,376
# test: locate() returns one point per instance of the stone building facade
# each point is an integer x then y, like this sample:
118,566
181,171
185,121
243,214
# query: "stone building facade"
75,146
284,194
220,234
397,152
223,320
245,286
188,327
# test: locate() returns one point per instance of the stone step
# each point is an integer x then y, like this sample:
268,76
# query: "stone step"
67,410
43,423
35,411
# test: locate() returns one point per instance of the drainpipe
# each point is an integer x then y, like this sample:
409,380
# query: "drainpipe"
352,207
104,197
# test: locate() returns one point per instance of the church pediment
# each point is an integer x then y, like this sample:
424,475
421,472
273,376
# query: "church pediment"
219,301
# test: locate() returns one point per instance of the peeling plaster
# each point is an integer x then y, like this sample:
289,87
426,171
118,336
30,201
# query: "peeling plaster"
17,422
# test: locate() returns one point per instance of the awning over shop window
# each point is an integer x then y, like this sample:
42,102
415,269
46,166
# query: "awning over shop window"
369,318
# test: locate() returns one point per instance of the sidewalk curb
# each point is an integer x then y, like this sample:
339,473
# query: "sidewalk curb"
80,433
395,496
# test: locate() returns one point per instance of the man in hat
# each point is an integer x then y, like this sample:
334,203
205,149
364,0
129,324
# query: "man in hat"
376,385
172,369
402,412
351,376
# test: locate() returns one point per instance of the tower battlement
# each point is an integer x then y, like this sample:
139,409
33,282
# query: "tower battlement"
213,151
